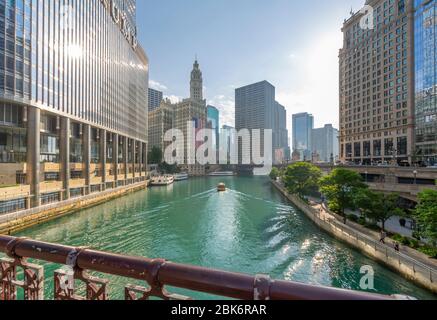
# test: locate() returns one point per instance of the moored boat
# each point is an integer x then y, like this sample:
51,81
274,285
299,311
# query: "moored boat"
162,180
222,174
181,176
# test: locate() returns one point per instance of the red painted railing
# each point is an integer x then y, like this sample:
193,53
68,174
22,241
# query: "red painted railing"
157,274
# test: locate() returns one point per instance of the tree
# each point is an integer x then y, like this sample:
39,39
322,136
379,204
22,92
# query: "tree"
426,215
155,156
340,188
302,178
275,174
378,207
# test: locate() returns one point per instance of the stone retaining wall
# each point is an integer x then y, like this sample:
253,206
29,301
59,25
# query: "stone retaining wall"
14,222
408,267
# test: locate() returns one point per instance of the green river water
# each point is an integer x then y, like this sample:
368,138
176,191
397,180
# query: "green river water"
250,228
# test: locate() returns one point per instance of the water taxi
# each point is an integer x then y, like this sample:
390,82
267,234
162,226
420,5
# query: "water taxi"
181,176
221,187
162,180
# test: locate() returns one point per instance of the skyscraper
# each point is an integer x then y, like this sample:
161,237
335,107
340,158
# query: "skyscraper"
73,113
377,86
303,125
155,98
256,108
325,144
213,119
425,49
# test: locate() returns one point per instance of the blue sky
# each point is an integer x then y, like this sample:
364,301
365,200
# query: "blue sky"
292,44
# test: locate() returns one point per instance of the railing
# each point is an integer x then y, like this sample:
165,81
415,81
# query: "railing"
390,253
157,274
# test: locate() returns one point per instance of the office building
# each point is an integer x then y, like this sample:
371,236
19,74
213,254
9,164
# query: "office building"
325,146
213,120
303,125
178,116
377,85
73,111
161,120
425,51
256,108
155,99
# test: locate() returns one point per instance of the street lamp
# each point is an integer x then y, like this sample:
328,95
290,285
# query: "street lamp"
366,173
415,177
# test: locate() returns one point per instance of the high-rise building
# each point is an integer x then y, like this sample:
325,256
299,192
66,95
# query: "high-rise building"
280,133
213,120
177,116
303,125
325,145
256,108
425,50
161,120
377,84
155,99
73,112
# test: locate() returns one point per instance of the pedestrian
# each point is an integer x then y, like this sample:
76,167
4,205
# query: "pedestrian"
383,237
397,248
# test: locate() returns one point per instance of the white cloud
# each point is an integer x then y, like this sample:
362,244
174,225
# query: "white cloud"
173,98
157,86
226,106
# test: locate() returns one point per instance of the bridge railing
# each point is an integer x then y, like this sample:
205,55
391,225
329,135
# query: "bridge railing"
157,276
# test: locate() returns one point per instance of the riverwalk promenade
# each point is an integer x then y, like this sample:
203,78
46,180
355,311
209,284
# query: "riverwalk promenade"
410,263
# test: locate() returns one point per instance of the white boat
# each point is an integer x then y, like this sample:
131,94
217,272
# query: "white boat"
222,174
181,176
162,180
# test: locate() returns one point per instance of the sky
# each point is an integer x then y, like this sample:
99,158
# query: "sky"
292,44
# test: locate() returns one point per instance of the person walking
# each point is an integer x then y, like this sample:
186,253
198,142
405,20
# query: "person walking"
383,237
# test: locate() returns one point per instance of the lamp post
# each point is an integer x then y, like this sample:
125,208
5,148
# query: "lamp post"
415,177
366,173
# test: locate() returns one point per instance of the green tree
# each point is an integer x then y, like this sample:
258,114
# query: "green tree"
275,174
340,188
155,156
378,207
302,178
426,215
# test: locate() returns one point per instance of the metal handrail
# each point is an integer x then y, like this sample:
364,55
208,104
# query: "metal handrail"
160,273
384,248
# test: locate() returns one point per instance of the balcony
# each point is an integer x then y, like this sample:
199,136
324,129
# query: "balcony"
51,186
156,274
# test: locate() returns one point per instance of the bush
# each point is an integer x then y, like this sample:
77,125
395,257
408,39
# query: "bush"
362,221
430,251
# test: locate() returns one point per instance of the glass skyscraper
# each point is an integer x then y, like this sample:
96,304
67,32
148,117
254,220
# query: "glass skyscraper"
426,79
303,125
73,98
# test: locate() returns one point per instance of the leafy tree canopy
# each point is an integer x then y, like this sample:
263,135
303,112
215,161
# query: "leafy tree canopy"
302,178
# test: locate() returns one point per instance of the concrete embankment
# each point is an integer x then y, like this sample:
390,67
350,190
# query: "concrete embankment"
14,222
422,273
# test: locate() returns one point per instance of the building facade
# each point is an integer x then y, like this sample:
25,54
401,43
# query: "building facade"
377,85
178,116
73,112
213,120
161,120
325,145
155,99
256,108
303,125
280,134
425,50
